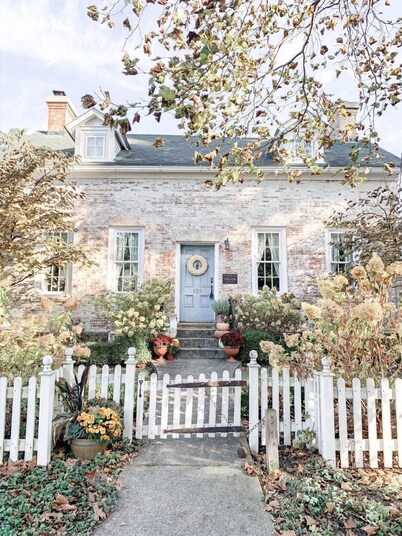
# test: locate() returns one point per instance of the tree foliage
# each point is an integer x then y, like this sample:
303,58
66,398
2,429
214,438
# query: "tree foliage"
374,225
36,204
237,68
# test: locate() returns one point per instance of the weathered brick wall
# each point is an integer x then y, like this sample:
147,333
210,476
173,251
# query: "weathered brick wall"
176,210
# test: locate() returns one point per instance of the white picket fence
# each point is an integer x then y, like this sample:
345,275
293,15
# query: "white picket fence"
354,426
36,404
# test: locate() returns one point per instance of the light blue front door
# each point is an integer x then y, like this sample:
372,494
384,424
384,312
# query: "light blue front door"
196,291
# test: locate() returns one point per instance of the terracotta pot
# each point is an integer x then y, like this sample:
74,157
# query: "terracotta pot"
160,351
218,334
84,449
231,353
170,357
222,326
219,318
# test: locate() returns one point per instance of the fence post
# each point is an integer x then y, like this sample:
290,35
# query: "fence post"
253,394
271,440
68,366
129,393
326,413
46,406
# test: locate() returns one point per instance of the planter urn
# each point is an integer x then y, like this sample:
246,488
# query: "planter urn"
85,449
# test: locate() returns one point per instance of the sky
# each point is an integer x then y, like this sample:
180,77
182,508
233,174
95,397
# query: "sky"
50,45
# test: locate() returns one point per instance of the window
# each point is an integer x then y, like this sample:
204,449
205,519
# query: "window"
126,259
338,258
270,259
95,146
57,276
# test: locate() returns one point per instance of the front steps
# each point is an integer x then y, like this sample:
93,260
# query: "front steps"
197,342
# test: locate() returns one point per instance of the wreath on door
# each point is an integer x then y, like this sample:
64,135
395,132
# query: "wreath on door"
197,265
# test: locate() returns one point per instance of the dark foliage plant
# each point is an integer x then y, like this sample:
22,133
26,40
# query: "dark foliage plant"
252,339
233,339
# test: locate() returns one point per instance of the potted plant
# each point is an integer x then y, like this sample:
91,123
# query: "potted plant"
231,343
161,345
173,348
221,310
98,423
88,426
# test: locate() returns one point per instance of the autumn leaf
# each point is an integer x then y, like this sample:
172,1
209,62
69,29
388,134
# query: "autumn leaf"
98,512
371,529
346,486
350,523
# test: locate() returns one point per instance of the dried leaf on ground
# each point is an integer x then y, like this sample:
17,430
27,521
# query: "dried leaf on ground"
371,529
98,512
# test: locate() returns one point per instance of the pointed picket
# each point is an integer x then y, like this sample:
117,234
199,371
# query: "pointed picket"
357,422
140,406
372,423
386,422
15,419
105,381
225,403
297,404
286,408
117,384
275,394
212,404
237,403
264,402
152,406
80,372
30,426
92,382
343,424
188,415
398,410
201,405
164,406
3,408
177,406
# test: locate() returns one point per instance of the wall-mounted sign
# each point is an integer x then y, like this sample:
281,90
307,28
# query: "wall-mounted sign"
229,279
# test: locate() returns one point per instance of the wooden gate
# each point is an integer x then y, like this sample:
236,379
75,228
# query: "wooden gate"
177,407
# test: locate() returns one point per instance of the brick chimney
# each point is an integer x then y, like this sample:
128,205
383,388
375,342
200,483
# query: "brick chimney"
341,121
60,112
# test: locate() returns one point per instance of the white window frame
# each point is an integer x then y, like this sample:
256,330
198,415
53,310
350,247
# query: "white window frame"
112,278
328,249
86,143
41,279
295,156
283,266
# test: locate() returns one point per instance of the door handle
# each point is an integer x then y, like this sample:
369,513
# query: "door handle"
211,295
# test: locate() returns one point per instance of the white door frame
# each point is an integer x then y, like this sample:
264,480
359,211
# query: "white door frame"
178,274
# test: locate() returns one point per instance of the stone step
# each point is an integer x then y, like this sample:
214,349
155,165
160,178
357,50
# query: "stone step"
196,325
196,333
201,353
201,342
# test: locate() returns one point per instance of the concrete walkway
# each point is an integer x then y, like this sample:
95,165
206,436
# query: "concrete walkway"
189,487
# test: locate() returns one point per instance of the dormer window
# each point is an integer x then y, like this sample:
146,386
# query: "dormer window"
95,147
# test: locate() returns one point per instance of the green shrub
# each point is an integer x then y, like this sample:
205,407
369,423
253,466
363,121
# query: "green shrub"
115,352
252,340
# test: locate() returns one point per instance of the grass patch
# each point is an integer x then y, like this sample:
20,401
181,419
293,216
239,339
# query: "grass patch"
68,497
307,497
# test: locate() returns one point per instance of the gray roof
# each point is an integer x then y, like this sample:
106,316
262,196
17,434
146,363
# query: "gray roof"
177,151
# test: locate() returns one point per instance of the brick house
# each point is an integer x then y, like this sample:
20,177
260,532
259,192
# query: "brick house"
147,212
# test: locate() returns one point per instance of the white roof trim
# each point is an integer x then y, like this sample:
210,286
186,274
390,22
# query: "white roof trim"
93,112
